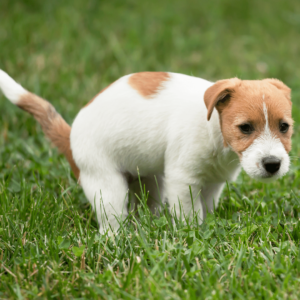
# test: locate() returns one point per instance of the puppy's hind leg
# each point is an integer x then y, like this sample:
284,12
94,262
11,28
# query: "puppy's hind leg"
108,194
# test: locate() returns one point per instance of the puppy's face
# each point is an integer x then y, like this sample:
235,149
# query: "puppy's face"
256,122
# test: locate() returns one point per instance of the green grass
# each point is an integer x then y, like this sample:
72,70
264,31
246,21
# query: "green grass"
67,51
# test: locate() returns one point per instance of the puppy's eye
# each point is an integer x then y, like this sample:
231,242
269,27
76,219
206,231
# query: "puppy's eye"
246,128
284,127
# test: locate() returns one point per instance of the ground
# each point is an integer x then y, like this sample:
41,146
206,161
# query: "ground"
67,51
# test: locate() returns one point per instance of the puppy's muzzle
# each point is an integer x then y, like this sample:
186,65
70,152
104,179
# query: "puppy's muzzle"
271,164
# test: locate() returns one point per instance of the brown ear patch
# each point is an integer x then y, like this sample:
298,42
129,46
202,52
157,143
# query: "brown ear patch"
148,84
281,86
98,95
220,91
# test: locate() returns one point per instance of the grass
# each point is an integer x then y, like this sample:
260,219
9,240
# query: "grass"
67,51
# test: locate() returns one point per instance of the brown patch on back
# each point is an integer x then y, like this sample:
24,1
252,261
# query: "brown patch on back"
53,125
97,95
148,83
245,105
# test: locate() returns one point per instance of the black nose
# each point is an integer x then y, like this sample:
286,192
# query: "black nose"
271,164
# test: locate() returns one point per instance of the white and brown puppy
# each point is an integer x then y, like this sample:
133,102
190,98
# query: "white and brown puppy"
184,130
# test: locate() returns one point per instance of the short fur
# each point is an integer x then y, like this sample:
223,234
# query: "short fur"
183,130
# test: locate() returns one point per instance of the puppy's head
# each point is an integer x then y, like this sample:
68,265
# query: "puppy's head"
256,122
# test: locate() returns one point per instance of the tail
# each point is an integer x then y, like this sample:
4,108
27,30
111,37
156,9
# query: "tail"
53,125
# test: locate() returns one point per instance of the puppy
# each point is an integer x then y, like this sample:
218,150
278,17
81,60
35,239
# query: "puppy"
188,132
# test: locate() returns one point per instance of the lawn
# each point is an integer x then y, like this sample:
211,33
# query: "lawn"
67,51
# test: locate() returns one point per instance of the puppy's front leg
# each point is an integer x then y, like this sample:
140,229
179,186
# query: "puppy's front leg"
210,195
177,194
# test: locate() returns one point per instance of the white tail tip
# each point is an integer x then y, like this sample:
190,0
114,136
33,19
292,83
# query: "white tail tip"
11,89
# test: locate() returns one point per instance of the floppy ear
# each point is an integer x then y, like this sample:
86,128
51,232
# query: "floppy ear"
218,93
281,86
